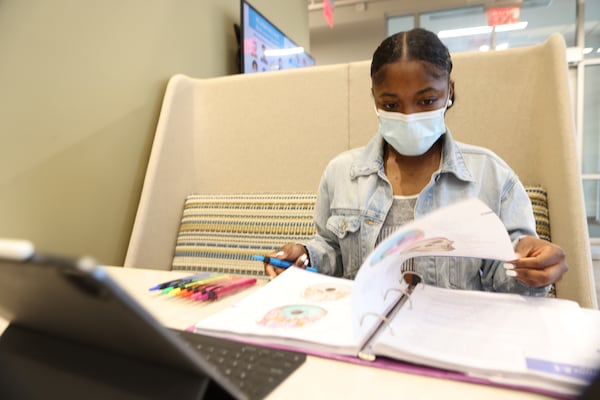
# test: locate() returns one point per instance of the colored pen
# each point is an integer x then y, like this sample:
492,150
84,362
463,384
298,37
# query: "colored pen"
179,281
203,291
280,263
214,285
195,285
176,290
217,292
191,290
207,285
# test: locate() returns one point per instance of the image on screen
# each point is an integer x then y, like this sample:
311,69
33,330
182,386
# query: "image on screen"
265,48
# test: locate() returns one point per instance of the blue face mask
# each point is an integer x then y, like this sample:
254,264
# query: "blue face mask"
412,134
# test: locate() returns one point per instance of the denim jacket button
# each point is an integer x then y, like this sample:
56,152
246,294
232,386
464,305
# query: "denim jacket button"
344,225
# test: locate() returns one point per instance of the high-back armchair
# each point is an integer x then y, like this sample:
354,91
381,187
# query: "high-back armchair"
275,132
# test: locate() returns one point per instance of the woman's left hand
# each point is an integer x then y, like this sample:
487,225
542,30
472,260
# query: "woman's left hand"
540,263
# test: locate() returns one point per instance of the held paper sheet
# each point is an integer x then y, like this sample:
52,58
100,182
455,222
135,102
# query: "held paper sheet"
467,228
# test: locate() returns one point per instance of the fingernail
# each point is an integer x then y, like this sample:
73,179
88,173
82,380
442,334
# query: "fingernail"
508,266
279,254
511,273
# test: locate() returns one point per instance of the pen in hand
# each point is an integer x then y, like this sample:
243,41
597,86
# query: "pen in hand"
280,263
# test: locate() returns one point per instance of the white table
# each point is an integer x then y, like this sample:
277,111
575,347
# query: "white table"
318,378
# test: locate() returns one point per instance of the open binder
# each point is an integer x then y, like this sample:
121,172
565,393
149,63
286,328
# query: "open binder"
389,318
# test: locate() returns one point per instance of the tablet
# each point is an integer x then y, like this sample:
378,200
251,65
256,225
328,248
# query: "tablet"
72,302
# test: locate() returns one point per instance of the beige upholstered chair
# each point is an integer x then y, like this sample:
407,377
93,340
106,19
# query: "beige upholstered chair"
517,103
275,132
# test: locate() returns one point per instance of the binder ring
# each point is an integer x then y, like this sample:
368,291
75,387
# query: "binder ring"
401,291
395,290
415,279
382,318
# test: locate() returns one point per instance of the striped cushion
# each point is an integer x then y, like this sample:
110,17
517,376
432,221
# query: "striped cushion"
222,232
539,202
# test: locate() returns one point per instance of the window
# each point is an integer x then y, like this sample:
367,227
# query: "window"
588,109
466,28
400,24
539,18
590,144
592,30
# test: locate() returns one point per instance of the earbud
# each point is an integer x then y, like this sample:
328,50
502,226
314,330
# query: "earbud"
449,102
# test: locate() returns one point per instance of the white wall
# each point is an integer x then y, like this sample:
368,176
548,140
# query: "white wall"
358,31
81,84
346,43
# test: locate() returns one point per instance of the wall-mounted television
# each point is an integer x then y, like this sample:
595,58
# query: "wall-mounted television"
264,47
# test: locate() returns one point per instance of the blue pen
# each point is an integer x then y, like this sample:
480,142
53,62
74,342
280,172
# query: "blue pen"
279,263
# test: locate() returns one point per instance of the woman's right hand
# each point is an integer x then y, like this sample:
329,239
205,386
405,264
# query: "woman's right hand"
293,252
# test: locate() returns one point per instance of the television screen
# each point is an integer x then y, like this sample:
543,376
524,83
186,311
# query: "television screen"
264,47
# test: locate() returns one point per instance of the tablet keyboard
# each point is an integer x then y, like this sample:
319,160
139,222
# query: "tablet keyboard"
256,370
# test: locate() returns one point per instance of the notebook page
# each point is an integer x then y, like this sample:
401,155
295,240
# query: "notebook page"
494,334
298,308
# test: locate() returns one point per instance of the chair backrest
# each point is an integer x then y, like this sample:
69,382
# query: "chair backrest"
275,132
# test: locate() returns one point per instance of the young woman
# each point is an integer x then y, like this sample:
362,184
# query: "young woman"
413,166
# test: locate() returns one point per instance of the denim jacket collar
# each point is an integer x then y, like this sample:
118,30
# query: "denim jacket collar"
370,159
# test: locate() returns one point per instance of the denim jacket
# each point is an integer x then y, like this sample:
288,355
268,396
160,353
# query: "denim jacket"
355,196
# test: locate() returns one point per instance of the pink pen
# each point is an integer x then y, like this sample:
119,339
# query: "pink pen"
200,289
217,292
200,294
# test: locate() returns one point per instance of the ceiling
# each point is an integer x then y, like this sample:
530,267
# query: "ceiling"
544,16
355,11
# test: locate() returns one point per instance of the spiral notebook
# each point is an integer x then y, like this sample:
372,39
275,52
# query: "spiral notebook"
390,319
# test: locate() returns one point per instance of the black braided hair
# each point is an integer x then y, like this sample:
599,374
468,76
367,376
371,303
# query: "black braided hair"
417,44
